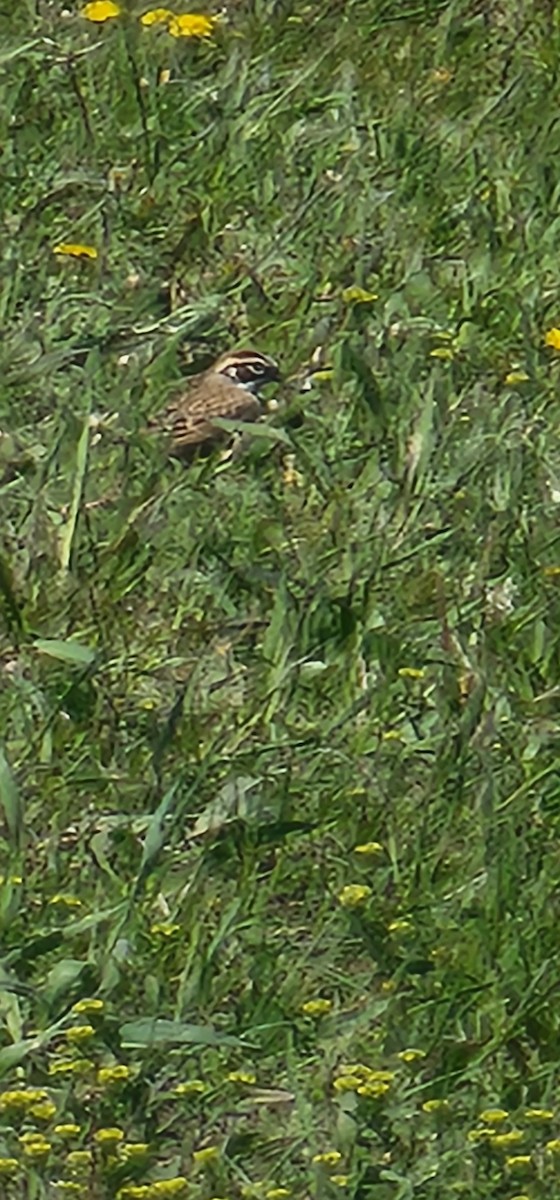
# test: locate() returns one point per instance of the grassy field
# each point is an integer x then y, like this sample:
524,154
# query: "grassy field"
279,778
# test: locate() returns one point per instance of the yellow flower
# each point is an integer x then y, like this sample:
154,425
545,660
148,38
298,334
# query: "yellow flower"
373,1089
329,1158
116,1074
88,1006
552,338
164,929
411,672
539,1114
277,1193
134,1191
354,1069
109,1136
208,1154
79,1033
340,1180
74,250
354,895
191,1087
358,295
410,1056
191,25
553,1146
430,1106
480,1135
8,1166
71,1066
347,1083
518,1160
77,251
400,925
507,1139
156,16
67,1130
100,10
514,377
242,1077
23,1100
367,848
37,1147
494,1116
316,1008
77,1160
133,1149
168,1187
44,1111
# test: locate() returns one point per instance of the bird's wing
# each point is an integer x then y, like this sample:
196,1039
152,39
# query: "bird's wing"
189,418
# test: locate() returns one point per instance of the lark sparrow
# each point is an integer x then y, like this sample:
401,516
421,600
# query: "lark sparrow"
228,389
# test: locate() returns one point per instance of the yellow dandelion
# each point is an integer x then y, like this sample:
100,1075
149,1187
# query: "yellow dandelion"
432,1106
100,11
72,250
168,1187
116,1074
480,1135
71,1066
190,1087
553,1147
354,895
368,848
208,1154
134,1149
91,1005
514,377
156,16
494,1116
44,1111
539,1114
8,1166
347,1083
340,1180
411,672
358,295
163,929
316,1008
79,1160
518,1160
243,1077
79,1033
329,1158
37,1148
552,338
373,1089
192,25
68,1130
507,1139
108,1137
411,1055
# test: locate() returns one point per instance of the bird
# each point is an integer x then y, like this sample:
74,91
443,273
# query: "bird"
228,389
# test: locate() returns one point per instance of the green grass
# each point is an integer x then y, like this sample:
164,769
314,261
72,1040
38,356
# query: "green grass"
215,683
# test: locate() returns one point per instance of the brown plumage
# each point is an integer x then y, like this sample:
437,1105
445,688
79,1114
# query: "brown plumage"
227,390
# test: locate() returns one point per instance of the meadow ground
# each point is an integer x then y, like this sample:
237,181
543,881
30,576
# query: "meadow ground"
279,778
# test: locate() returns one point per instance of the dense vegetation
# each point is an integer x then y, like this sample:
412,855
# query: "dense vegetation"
279,779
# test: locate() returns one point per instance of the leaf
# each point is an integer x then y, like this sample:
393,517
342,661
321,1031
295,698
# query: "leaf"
269,432
158,1031
8,596
11,803
69,529
156,834
70,651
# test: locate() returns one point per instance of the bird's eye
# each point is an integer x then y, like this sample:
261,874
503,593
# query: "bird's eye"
259,368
